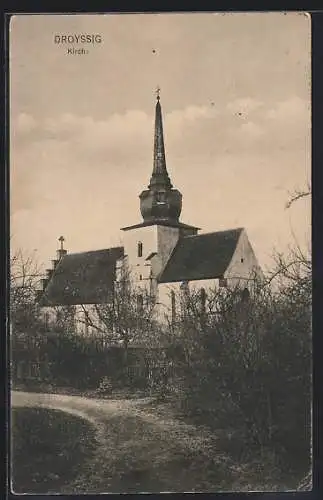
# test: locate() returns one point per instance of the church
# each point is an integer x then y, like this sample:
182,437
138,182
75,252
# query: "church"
162,255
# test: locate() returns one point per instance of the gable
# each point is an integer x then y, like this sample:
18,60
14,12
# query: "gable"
244,264
83,278
199,257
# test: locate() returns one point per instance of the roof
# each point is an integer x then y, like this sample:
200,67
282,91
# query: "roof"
82,278
203,256
160,222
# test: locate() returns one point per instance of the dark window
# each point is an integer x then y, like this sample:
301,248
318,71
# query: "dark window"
46,319
160,197
140,303
140,277
241,259
86,322
139,249
173,300
223,282
185,287
203,300
245,295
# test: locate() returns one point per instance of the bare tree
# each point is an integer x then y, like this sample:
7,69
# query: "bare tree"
25,276
126,317
294,269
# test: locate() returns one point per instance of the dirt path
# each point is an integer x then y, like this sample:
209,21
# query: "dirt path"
137,451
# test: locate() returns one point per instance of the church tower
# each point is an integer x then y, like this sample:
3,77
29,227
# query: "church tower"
160,202
149,244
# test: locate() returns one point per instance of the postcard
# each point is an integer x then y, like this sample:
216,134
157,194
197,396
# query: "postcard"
160,239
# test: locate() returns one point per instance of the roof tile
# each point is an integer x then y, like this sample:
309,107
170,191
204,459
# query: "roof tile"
203,256
82,278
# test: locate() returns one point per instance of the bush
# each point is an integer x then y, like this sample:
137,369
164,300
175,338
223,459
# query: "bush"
248,371
105,386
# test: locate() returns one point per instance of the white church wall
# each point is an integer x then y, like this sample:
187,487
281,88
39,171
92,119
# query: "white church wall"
155,239
88,321
167,239
165,294
157,242
48,315
244,266
79,319
147,237
82,325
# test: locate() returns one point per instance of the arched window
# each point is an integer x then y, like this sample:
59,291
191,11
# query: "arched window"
86,323
203,300
185,297
245,295
185,288
140,303
46,319
160,197
59,316
139,249
223,282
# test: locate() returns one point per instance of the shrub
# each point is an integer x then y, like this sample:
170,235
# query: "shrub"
248,370
105,386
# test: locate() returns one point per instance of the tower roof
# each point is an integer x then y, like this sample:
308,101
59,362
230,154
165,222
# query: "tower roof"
160,175
160,202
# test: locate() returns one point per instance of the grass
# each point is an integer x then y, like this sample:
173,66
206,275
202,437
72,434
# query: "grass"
151,448
255,469
54,452
139,456
49,449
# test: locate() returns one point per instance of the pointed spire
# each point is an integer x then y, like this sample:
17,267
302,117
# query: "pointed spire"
159,176
160,202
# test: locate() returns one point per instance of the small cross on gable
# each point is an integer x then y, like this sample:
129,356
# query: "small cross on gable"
61,239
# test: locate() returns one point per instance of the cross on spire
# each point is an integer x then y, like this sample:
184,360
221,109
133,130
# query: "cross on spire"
158,92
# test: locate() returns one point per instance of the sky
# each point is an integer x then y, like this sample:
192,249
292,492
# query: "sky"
235,96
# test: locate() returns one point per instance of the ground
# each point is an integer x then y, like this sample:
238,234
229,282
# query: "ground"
138,450
49,449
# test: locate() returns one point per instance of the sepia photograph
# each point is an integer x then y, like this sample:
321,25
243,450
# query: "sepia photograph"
160,253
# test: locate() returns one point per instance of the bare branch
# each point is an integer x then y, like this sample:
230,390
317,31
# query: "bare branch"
297,195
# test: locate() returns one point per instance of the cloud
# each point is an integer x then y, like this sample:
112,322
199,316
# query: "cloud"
25,123
251,130
244,105
72,159
88,204
290,109
189,114
121,138
199,130
118,129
